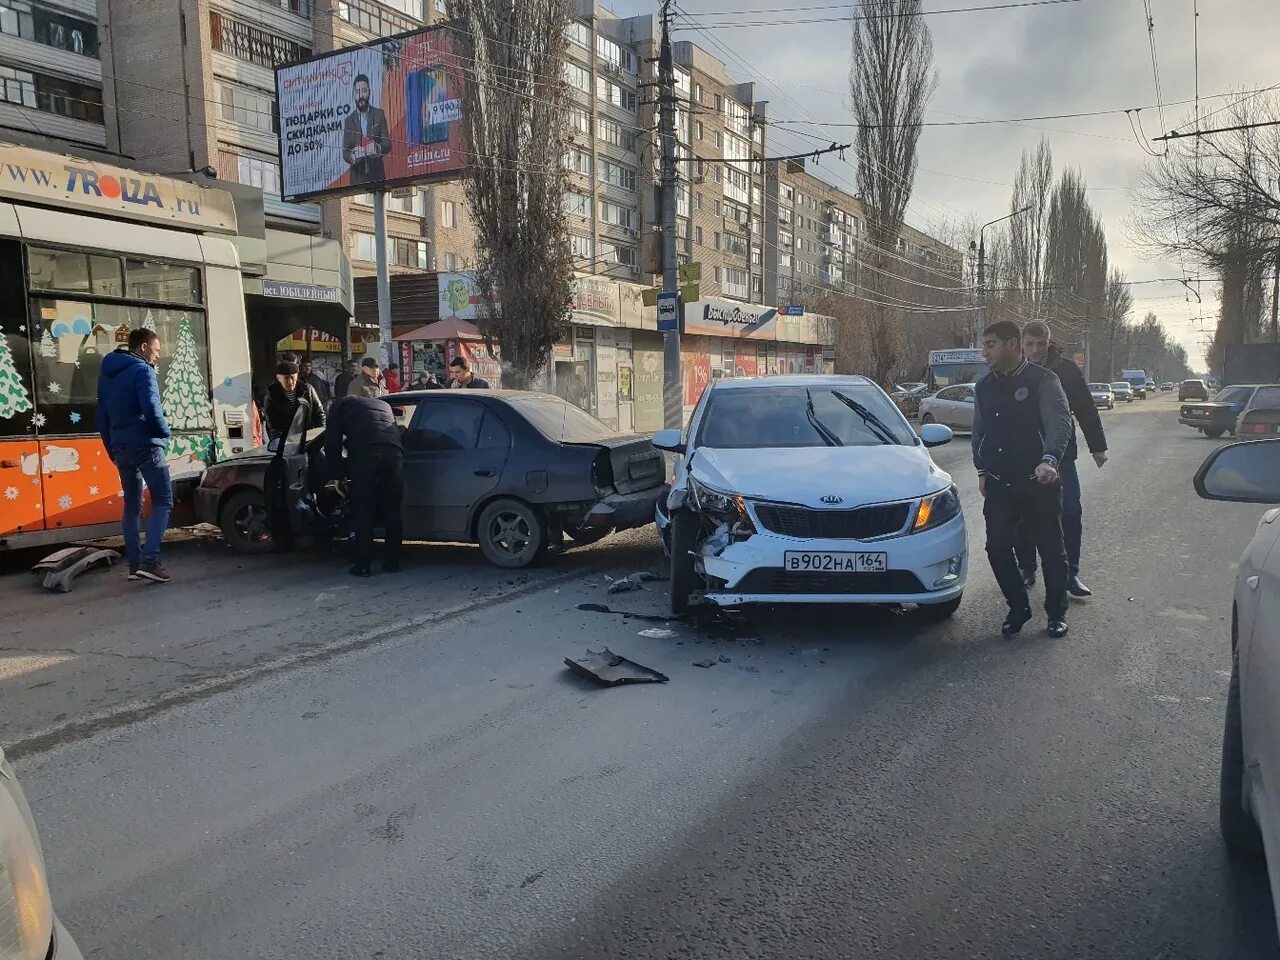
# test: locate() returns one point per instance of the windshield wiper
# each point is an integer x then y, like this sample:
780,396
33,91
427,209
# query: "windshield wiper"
824,431
877,426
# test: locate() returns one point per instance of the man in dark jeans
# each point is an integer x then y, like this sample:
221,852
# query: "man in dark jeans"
375,469
1038,348
1021,425
135,433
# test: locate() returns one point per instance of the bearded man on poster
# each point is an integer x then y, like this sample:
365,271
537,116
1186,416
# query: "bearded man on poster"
366,138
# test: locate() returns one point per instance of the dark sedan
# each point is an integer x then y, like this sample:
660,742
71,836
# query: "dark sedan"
511,471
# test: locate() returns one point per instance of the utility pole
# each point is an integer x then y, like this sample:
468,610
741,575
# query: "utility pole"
1275,303
982,264
672,379
384,278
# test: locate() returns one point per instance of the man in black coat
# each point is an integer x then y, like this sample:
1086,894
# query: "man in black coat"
1038,348
375,469
282,398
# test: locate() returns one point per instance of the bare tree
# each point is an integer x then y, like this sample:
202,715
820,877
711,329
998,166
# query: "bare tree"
891,80
516,180
1119,306
1028,232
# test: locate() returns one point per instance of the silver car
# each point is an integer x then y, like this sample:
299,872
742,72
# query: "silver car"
952,407
1249,811
28,928
1103,396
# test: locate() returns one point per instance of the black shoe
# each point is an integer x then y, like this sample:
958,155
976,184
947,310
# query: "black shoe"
154,572
133,572
1076,587
1057,629
391,566
1014,622
361,570
1028,578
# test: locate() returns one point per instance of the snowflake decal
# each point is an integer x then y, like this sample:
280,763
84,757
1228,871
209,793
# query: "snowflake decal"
64,502
93,491
75,417
38,420
54,388
11,493
22,328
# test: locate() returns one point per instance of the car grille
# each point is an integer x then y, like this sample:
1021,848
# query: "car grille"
860,524
769,580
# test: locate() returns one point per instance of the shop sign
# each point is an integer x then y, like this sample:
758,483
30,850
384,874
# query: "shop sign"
300,291
715,317
596,302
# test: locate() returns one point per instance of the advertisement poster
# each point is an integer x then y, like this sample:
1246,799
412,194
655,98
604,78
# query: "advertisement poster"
460,298
744,363
607,376
595,302
647,382
371,117
697,374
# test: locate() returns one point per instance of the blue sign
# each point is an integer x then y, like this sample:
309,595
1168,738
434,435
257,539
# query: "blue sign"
794,310
669,312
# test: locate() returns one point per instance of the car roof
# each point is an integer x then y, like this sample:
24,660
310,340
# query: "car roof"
500,394
794,380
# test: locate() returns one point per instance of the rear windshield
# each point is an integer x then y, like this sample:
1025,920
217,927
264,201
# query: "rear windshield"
560,420
1233,395
1266,398
1120,385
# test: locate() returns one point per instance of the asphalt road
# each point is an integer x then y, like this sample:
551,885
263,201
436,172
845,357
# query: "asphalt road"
404,769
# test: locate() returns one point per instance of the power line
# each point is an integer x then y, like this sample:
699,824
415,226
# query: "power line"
1175,135
857,17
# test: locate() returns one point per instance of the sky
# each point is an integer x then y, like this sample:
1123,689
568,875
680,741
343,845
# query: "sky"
1063,57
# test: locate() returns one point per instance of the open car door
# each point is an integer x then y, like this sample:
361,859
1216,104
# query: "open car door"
285,482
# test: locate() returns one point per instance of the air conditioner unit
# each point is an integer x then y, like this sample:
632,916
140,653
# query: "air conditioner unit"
631,232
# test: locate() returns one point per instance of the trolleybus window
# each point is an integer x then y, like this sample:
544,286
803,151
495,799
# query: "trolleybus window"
75,272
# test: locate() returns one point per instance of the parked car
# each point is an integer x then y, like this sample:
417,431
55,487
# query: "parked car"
1192,390
810,489
1249,805
1218,416
1122,390
952,407
1103,395
509,470
29,929
1261,416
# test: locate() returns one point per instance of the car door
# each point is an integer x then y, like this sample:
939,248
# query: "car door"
964,408
944,407
1258,610
454,453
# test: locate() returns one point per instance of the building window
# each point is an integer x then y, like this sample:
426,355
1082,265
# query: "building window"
18,87
615,134
736,282
615,93
697,92
442,8
362,247
698,202
52,28
577,204
373,18
717,101
577,161
577,76
617,215
38,91
578,32
253,45
404,252
617,175
697,235
580,121
253,171
584,248
247,107
715,207
716,274
719,140
715,242
697,129
612,253
448,214
414,8
451,261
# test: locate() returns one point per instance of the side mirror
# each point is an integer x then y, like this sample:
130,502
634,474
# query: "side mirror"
935,434
1247,472
668,440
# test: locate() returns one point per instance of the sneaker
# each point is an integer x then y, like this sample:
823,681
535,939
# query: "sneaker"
133,572
1014,622
1057,629
153,571
1076,587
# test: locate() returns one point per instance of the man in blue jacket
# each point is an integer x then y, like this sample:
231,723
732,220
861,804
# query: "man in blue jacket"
1021,429
135,433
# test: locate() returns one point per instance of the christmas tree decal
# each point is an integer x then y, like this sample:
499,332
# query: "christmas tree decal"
186,401
149,323
47,346
14,398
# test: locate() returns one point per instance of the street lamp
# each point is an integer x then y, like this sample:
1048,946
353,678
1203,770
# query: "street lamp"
982,257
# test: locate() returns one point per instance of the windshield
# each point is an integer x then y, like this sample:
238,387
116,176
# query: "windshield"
558,419
952,374
1120,386
1099,386
796,416
1233,395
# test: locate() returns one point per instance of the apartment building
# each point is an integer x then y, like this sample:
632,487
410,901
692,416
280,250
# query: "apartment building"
51,74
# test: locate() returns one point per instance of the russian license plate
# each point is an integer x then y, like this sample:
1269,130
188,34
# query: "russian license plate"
816,561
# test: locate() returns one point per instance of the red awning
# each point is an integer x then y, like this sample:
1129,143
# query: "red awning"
450,328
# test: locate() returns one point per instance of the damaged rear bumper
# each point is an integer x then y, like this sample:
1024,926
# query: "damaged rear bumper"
623,511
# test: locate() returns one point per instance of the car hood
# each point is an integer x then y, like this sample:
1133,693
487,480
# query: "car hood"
859,475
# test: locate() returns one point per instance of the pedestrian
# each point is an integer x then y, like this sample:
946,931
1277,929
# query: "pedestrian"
391,379
1021,426
1038,347
374,468
368,379
282,397
462,377
308,375
342,383
135,433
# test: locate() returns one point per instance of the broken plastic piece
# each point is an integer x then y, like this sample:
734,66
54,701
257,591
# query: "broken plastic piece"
657,633
705,664
611,669
61,568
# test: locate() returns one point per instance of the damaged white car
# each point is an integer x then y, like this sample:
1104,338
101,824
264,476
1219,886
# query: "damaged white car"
810,489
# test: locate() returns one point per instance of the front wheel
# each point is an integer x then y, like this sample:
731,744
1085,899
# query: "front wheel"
684,528
927,418
938,612
1239,829
244,523
511,534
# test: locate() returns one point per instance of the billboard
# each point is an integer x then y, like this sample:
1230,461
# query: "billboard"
381,115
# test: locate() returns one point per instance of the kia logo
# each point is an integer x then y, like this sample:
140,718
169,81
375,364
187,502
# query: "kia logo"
832,498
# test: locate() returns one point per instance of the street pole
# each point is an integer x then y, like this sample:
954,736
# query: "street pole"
1275,303
384,278
982,263
672,379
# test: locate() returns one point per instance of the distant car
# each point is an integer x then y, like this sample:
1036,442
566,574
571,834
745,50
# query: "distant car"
810,489
952,407
1166,387
1192,390
29,929
1215,417
1249,785
509,470
1103,396
1123,390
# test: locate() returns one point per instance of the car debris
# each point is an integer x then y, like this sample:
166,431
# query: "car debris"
62,567
611,669
657,633
635,581
705,664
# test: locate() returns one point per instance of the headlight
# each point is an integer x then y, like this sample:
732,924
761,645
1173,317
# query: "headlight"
26,913
722,508
936,510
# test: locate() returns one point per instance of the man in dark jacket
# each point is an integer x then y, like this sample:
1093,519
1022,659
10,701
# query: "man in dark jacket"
463,378
283,396
342,383
308,375
375,468
1037,348
1021,428
132,424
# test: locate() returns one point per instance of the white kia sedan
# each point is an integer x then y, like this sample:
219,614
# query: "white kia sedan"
810,489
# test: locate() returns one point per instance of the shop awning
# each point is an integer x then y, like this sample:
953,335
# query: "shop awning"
451,328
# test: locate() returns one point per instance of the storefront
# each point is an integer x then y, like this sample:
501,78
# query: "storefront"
427,352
